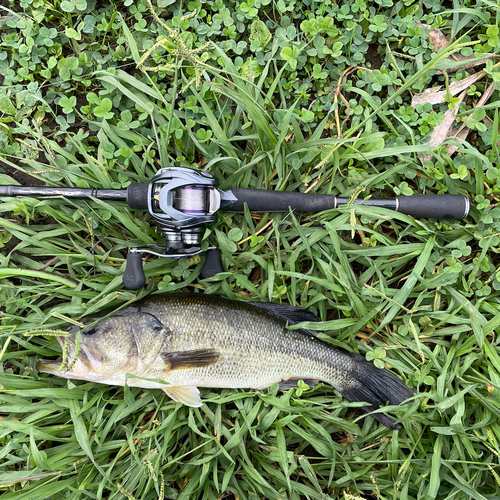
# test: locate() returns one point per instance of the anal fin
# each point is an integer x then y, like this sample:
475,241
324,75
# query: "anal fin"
188,395
293,383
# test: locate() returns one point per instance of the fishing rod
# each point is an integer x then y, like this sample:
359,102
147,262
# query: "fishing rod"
183,201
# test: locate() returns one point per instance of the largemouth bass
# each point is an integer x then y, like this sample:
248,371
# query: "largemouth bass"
189,340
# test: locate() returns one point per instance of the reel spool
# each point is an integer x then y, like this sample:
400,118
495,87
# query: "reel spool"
192,200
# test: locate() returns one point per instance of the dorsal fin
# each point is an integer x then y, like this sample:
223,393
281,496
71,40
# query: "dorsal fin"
293,315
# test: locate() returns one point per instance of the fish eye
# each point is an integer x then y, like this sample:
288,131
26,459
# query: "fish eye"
91,331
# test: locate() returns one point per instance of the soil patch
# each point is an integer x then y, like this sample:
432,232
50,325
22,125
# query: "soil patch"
21,177
373,57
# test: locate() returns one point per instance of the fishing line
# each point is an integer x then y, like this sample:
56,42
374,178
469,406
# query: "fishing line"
192,199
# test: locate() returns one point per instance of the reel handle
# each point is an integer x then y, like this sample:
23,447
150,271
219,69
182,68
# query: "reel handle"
134,278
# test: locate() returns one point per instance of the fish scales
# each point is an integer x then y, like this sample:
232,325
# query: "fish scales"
256,356
183,341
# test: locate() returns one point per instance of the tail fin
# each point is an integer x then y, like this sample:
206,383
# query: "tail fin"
377,387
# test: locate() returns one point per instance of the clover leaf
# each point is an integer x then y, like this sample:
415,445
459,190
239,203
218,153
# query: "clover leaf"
301,387
403,189
203,135
492,34
248,8
290,54
72,33
306,115
67,104
65,66
482,202
462,173
73,5
46,36
104,110
378,25
318,74
377,356
235,234
475,121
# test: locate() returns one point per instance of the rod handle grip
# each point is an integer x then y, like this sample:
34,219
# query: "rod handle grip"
434,206
262,200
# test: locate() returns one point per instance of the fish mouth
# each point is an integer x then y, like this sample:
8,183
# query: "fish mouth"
56,367
52,367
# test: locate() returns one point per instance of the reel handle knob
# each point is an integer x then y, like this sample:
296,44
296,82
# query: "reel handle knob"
134,277
212,265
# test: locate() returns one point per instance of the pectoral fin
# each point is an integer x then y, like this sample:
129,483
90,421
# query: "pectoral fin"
182,360
188,395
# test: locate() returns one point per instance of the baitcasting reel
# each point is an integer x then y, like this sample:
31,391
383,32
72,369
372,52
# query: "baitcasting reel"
183,201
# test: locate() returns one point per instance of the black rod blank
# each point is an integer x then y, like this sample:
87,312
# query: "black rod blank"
36,191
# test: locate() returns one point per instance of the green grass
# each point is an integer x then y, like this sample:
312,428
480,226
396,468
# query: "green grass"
420,295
